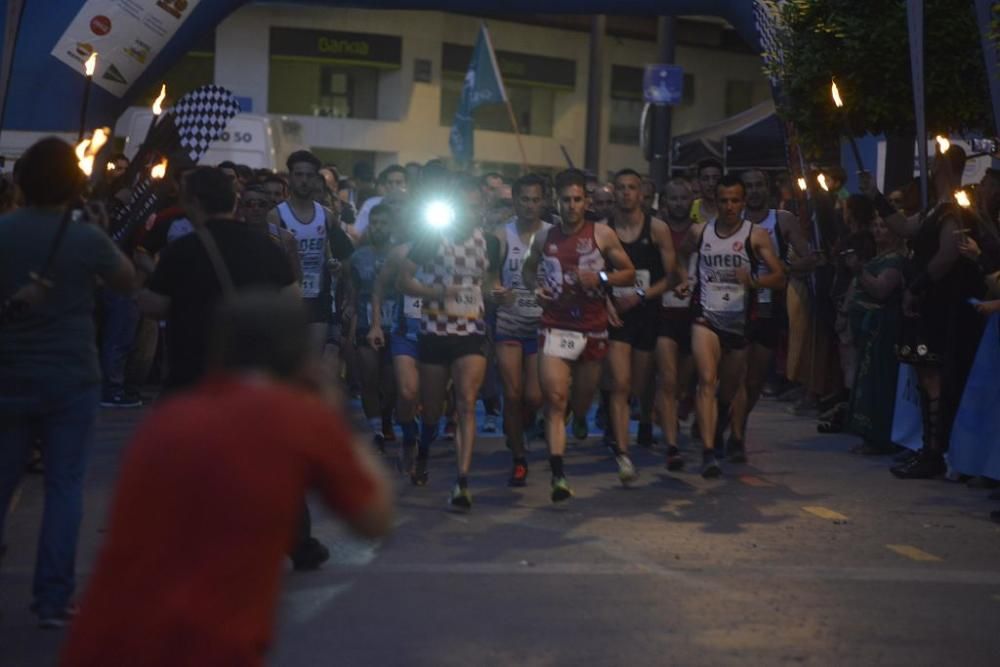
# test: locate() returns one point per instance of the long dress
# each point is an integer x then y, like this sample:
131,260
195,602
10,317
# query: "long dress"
875,328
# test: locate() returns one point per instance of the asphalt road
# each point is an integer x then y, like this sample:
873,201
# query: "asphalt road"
808,555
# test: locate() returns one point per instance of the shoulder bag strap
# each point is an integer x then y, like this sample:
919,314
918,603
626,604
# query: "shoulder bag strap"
218,265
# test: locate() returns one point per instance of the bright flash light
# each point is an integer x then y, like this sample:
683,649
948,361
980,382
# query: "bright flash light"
836,94
100,138
91,65
962,198
943,143
822,182
160,170
802,184
158,103
84,161
439,214
111,166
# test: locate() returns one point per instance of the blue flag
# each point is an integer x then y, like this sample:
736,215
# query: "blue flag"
483,85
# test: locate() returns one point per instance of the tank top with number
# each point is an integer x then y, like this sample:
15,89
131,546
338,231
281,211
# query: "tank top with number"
722,300
645,256
519,319
456,263
311,239
675,307
563,257
764,296
366,262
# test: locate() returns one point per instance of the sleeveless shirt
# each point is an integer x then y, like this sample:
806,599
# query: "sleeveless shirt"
724,301
519,319
563,257
311,238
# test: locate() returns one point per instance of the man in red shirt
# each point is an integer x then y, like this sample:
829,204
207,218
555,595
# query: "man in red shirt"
209,500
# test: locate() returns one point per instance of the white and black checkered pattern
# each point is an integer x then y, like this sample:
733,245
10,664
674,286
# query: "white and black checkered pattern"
462,264
201,116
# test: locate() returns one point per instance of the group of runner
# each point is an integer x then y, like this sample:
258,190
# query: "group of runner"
570,302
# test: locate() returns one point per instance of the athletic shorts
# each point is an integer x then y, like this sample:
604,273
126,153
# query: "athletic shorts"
765,331
402,345
727,339
319,309
677,330
639,329
529,346
596,349
445,350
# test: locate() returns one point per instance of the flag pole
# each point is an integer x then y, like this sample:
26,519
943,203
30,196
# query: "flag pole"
506,97
517,134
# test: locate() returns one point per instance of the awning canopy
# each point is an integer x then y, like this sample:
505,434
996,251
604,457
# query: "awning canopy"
752,138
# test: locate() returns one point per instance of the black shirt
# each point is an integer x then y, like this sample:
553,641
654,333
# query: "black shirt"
185,274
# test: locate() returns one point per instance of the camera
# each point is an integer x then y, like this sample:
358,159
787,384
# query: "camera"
991,145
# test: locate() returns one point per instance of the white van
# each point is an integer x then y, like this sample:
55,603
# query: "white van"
248,139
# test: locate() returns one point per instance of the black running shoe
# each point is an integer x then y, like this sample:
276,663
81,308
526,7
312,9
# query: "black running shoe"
927,464
419,475
460,500
736,451
710,468
674,459
310,555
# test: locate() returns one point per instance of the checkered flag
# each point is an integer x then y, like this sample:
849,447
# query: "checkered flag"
201,116
184,134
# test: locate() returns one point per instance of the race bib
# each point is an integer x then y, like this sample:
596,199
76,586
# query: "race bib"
723,297
641,282
764,295
567,345
466,304
411,307
526,305
312,271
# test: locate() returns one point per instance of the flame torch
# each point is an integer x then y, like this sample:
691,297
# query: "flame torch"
157,109
89,68
839,103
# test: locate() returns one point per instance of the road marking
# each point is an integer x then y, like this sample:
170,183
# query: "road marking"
825,513
912,553
750,480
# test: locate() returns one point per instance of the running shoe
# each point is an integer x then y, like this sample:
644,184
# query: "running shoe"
419,475
710,468
560,490
53,620
490,424
674,459
460,500
120,399
518,475
310,555
626,470
449,431
580,428
736,451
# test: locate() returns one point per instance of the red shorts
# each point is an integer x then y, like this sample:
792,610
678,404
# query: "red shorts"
596,348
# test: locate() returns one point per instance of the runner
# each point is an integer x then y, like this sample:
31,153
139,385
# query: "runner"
518,315
729,251
574,291
322,248
629,365
448,271
674,362
767,322
705,208
377,386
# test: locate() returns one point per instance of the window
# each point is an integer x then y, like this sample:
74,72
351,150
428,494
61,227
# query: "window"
316,89
533,107
627,102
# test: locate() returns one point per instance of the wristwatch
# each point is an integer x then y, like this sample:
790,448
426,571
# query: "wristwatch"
605,281
641,293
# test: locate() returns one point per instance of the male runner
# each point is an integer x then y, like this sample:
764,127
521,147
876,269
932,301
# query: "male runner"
363,267
705,208
573,256
729,250
448,270
767,322
322,248
518,316
648,243
673,344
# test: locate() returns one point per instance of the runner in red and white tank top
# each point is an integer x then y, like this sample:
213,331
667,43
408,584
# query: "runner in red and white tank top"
573,266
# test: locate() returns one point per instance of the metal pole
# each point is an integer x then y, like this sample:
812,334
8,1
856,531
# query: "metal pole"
15,11
595,94
659,165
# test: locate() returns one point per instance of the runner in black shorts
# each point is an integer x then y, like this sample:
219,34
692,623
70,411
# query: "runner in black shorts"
449,268
629,364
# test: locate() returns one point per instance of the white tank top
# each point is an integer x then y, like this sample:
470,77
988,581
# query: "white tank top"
765,296
520,319
311,237
724,300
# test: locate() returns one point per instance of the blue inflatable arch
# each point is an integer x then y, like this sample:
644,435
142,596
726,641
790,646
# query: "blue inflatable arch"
44,93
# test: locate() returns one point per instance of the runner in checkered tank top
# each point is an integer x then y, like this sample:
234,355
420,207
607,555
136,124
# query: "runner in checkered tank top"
449,268
570,269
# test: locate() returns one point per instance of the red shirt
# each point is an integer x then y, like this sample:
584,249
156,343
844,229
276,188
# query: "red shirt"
574,308
207,505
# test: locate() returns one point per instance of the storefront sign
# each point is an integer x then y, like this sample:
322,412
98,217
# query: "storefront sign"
325,45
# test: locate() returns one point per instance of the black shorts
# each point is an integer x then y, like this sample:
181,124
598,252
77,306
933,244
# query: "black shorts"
677,330
639,329
319,309
445,350
765,331
727,339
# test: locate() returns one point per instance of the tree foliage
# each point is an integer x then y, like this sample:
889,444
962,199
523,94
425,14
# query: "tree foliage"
864,46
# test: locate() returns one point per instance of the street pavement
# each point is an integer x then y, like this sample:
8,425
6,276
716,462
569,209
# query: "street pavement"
807,556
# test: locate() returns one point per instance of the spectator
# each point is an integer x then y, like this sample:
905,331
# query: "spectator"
50,378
